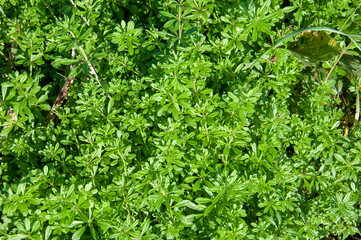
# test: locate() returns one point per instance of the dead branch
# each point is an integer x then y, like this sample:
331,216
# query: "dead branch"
62,95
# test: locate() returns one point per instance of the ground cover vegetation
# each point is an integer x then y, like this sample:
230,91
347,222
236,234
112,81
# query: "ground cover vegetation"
188,119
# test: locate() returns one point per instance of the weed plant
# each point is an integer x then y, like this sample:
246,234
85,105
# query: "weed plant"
187,119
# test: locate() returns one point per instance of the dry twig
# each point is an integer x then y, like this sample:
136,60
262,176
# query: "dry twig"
62,94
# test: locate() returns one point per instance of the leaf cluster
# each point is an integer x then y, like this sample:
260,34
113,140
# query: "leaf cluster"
165,132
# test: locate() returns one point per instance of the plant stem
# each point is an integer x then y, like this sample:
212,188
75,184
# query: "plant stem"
338,59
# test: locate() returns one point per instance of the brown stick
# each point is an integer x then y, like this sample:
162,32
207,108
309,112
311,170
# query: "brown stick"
62,95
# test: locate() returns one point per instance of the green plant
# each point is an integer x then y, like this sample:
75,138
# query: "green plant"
187,119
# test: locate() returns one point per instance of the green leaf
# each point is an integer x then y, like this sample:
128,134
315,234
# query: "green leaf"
130,25
86,34
48,232
209,209
167,14
150,236
23,207
34,90
202,200
75,71
110,105
197,185
88,186
6,131
3,91
18,236
100,55
45,107
145,226
190,179
93,232
64,61
339,157
77,235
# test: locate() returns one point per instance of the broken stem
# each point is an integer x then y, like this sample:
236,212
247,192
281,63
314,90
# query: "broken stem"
62,94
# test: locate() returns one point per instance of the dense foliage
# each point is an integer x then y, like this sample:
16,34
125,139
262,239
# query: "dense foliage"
166,132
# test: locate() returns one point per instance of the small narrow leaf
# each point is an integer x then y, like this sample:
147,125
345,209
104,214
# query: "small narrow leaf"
145,226
110,105
77,235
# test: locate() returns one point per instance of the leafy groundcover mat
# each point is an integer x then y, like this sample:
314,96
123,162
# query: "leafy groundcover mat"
187,119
